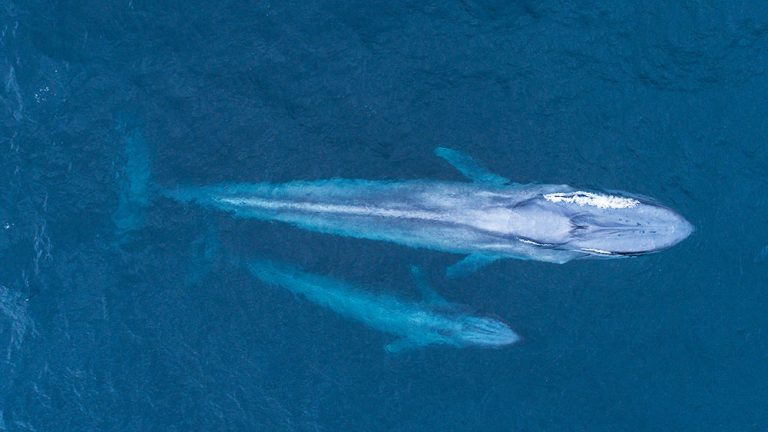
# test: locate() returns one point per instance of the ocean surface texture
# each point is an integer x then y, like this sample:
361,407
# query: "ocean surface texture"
123,310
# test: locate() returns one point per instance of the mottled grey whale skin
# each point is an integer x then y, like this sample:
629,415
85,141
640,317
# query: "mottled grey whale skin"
486,219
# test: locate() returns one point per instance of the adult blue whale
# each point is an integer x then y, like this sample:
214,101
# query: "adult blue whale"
486,219
433,321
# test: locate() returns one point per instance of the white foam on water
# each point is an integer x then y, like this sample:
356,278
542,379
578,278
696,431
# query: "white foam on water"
592,199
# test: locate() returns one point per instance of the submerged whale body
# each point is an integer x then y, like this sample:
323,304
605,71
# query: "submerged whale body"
486,219
433,321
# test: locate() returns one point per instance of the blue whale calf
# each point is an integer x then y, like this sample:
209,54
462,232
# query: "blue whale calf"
487,218
432,321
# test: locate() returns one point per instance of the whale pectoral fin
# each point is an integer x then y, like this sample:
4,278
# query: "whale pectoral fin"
469,265
401,345
470,168
429,294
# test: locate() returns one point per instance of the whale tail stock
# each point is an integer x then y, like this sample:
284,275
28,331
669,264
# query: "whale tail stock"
133,177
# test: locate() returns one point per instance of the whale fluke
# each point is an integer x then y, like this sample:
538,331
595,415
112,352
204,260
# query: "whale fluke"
134,177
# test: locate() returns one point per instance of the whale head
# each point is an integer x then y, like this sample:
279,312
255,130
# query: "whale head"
484,332
613,224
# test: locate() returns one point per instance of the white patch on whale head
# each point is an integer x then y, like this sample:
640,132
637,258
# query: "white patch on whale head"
592,199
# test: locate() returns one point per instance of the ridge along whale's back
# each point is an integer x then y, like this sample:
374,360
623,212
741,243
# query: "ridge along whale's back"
339,296
421,214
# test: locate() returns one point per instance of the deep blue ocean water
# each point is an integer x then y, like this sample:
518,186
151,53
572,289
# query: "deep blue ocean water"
124,311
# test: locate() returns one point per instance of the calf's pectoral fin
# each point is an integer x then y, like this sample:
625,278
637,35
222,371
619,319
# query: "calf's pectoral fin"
401,345
427,292
470,168
470,264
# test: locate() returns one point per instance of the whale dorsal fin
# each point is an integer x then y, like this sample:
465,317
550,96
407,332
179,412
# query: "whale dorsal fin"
430,295
470,264
470,168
